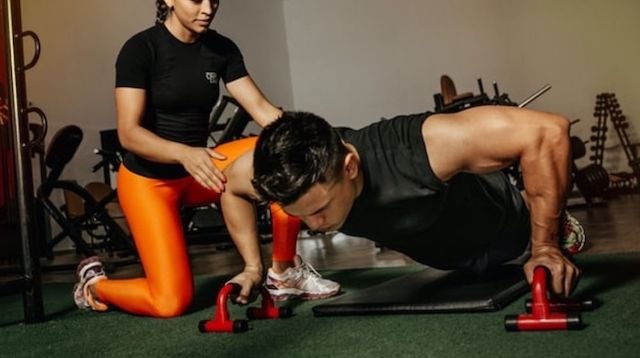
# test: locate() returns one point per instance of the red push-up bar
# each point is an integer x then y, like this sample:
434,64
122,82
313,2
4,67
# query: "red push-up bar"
545,314
223,323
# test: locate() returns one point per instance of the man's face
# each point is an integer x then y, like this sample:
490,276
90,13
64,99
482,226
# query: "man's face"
326,206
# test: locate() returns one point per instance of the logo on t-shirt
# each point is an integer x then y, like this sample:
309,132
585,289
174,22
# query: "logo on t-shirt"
212,77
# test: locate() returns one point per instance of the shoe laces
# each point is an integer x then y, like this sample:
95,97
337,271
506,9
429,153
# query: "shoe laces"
308,270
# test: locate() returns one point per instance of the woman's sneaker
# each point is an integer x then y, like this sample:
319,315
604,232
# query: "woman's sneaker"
572,237
89,272
301,281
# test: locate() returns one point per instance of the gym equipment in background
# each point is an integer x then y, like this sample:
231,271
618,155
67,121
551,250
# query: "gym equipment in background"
222,323
607,107
85,210
449,92
599,132
545,314
432,291
448,101
17,210
591,181
111,153
233,127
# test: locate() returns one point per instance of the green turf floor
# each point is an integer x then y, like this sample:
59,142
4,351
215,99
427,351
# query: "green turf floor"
613,329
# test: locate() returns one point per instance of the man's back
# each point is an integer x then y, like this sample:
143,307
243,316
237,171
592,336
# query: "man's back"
406,207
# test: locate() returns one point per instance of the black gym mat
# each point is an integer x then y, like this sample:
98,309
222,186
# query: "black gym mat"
431,291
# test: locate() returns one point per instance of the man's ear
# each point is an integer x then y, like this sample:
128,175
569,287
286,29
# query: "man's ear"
351,165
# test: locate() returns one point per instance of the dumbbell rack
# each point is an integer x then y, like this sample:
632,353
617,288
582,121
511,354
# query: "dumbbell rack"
621,125
599,130
607,107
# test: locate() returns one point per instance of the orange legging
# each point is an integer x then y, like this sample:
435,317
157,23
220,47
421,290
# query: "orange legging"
152,208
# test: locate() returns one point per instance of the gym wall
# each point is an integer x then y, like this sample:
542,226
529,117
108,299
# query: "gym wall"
354,61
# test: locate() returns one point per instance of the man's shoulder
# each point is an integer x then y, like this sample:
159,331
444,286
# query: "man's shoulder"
239,175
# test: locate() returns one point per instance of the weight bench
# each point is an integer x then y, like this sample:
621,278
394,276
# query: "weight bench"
431,291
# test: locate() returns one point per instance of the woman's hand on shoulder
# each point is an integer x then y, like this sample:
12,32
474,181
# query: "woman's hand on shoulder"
197,161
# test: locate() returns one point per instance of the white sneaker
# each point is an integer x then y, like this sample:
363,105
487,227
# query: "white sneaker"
301,281
572,237
89,272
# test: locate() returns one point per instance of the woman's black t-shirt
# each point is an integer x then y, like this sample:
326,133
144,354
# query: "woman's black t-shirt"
182,83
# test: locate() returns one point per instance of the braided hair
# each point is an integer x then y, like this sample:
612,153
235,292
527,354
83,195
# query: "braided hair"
162,10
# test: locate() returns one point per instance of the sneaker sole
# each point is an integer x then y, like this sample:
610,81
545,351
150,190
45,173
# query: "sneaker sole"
279,295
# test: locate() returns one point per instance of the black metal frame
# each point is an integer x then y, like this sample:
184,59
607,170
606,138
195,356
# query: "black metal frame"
61,150
231,129
29,282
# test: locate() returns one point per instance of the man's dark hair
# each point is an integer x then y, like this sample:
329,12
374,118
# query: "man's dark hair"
293,153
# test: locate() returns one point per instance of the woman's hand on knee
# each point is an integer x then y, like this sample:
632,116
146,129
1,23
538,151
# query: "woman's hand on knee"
250,281
197,162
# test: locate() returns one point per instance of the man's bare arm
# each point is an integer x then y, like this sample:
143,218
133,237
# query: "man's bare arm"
237,203
485,139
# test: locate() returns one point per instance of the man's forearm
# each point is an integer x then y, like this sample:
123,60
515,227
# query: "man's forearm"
546,173
545,211
240,218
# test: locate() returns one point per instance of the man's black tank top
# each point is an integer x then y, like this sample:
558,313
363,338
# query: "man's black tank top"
404,206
